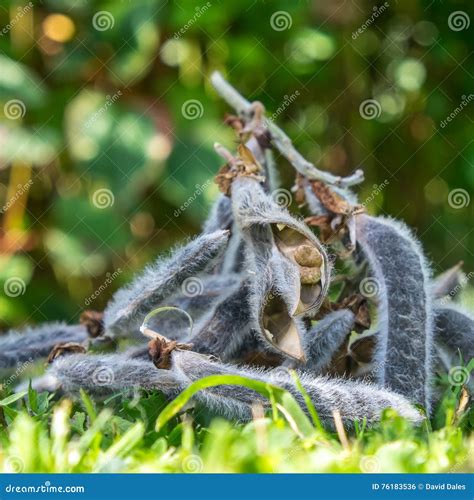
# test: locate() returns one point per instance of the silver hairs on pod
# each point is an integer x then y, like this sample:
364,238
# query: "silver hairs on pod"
323,340
455,330
400,285
227,327
220,216
130,304
34,343
288,267
213,290
354,400
102,374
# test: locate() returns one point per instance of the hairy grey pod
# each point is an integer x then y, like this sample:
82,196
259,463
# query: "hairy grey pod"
127,309
223,331
400,284
34,343
101,375
455,329
220,216
264,222
353,400
323,340
288,268
448,283
214,290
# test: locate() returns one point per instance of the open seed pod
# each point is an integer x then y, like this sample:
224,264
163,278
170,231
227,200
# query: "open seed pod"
291,237
282,287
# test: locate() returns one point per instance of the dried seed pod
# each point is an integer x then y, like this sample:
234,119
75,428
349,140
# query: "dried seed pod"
220,216
448,283
129,305
253,208
214,290
226,327
323,340
37,342
282,289
273,279
354,400
455,329
400,284
101,375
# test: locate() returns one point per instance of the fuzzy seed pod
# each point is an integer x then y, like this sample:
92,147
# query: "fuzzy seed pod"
400,284
129,306
34,343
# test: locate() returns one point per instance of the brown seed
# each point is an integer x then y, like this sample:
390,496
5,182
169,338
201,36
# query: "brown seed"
307,255
310,275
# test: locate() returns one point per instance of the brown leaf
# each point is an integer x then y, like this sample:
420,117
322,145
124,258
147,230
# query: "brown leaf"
361,350
235,122
249,162
224,179
463,404
93,321
358,305
160,349
329,199
65,348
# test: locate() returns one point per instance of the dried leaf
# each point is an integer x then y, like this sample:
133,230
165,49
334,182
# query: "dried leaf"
329,199
93,321
65,348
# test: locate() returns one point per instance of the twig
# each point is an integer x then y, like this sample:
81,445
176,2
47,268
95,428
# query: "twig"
280,140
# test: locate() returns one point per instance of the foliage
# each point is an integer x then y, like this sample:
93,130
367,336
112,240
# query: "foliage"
104,109
120,435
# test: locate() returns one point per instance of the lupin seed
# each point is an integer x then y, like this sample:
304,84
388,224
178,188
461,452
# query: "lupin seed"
308,256
310,275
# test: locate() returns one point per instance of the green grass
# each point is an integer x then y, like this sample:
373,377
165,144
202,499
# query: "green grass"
142,433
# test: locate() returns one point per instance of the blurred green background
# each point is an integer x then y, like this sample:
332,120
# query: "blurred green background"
107,125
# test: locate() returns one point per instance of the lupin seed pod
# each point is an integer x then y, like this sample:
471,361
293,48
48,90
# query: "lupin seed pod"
288,266
130,304
34,343
400,284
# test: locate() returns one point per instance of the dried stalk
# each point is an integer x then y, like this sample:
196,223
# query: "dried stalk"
280,140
